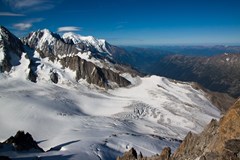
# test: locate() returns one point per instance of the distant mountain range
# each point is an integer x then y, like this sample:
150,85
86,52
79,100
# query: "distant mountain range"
217,72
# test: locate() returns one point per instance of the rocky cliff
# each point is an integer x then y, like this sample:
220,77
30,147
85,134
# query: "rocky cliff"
21,142
11,49
92,73
219,140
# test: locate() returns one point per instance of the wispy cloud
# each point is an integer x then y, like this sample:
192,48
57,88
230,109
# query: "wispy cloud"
11,14
35,20
68,29
120,25
31,5
27,24
22,26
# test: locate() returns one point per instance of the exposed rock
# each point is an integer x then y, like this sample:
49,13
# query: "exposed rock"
54,77
166,153
92,73
4,158
219,140
130,155
23,142
32,76
12,49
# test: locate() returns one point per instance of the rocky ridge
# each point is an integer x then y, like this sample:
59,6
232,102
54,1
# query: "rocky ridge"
56,49
21,142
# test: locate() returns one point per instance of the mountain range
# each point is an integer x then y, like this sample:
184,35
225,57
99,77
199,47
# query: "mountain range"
215,68
78,99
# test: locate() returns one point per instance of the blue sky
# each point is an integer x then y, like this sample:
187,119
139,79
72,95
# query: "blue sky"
129,22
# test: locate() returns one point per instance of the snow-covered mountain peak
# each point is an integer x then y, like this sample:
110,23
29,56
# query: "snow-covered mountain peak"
77,38
4,33
99,44
43,36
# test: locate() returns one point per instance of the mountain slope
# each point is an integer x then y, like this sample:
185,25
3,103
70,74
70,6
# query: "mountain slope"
219,140
71,115
86,61
214,67
11,49
105,124
217,73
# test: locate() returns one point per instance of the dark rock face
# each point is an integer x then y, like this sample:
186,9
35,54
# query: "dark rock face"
92,73
12,48
23,142
4,158
54,77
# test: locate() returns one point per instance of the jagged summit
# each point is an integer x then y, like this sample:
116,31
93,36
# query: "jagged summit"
23,142
48,56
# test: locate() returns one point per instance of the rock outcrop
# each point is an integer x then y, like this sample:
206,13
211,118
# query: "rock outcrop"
22,142
92,73
219,140
11,49
132,155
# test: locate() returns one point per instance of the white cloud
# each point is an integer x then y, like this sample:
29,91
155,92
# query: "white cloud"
27,3
27,24
22,26
68,29
11,14
31,5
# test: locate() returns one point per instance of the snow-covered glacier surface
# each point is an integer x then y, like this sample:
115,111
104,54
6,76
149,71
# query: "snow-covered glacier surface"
79,121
